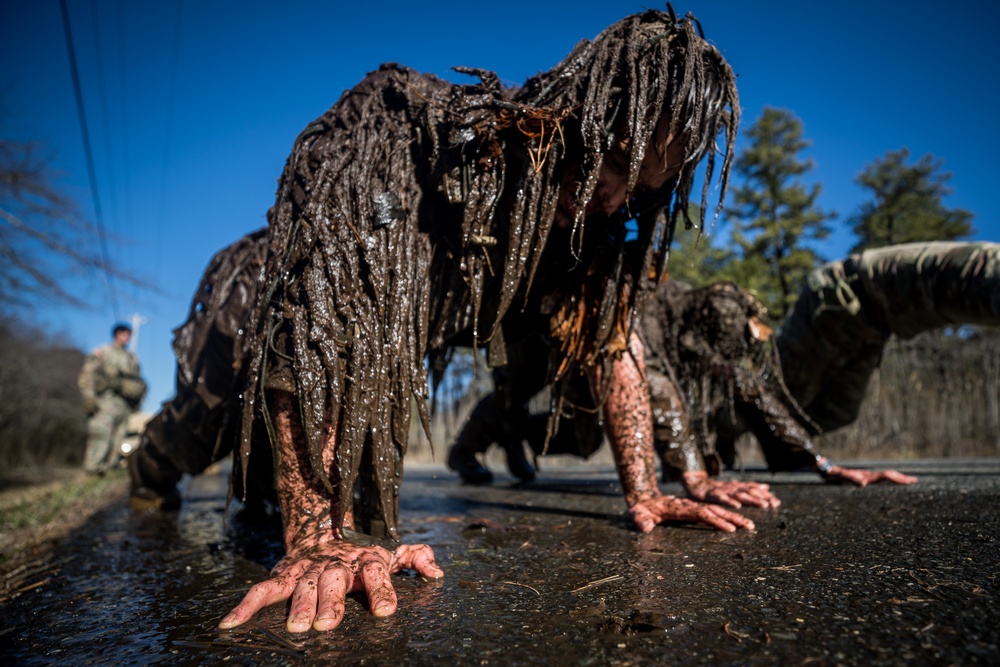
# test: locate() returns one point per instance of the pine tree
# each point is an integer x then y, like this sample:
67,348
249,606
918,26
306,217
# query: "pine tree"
907,203
774,213
694,259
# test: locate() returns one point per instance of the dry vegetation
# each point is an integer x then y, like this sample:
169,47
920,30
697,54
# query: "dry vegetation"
42,422
934,396
37,509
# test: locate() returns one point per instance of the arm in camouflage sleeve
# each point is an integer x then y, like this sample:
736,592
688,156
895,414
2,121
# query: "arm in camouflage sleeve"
88,381
788,446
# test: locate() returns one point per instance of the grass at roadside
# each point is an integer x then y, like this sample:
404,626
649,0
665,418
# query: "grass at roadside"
38,506
35,516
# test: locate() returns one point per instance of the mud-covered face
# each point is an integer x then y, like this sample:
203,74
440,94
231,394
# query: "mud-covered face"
611,193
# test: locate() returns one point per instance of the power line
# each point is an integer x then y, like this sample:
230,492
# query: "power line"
168,134
88,153
115,216
126,151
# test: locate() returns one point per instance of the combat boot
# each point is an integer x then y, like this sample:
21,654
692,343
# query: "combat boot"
153,480
517,462
476,436
462,459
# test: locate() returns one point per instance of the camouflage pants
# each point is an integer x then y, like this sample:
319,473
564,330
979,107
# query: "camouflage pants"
106,429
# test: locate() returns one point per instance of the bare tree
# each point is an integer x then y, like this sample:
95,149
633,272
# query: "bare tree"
44,239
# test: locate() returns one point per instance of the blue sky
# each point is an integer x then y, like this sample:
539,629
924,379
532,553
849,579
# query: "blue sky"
193,108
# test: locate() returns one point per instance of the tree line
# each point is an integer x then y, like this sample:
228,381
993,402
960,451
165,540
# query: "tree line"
775,222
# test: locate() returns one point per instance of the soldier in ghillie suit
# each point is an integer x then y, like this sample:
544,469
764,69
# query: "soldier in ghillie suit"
713,361
417,215
112,389
704,349
832,341
201,423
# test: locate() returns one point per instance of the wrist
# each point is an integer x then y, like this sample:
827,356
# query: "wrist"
693,477
823,466
633,499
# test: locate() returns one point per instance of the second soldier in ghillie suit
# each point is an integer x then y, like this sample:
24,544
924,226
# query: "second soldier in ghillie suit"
705,350
831,342
417,215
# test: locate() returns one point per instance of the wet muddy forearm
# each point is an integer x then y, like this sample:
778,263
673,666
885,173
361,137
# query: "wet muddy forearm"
629,425
307,510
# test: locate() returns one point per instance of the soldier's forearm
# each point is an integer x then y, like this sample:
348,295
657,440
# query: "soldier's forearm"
308,513
629,425
786,443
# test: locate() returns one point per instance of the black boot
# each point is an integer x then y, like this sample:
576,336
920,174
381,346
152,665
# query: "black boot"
517,462
462,460
153,480
478,433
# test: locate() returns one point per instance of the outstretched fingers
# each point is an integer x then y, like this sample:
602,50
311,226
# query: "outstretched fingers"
863,477
334,584
756,495
303,608
896,477
721,518
374,575
419,557
648,513
259,596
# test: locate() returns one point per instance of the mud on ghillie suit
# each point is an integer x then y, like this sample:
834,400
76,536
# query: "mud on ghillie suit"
201,423
416,210
715,344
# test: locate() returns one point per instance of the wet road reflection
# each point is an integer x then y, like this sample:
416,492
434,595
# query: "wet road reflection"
548,573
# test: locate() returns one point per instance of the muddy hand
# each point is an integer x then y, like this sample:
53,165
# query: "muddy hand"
861,477
318,581
656,509
732,493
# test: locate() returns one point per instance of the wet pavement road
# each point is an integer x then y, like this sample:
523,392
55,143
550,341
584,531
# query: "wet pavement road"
549,574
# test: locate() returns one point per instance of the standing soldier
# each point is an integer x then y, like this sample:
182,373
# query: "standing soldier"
112,389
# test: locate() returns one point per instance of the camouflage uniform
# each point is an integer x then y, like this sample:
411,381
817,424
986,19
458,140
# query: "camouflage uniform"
832,341
111,389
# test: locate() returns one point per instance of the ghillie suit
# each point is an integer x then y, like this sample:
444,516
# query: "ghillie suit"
414,215
200,423
709,357
813,376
